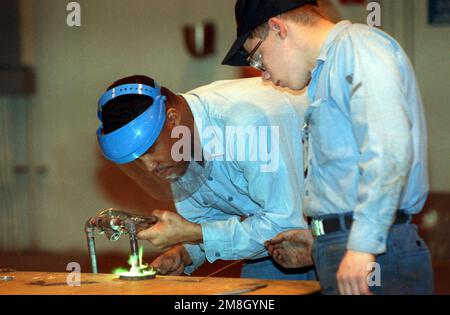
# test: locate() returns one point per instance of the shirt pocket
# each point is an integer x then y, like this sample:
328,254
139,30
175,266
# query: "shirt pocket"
331,138
404,241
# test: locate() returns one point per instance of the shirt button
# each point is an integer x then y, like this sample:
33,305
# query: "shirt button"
205,203
217,254
210,178
230,199
362,198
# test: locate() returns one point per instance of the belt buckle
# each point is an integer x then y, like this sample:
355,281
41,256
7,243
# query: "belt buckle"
317,227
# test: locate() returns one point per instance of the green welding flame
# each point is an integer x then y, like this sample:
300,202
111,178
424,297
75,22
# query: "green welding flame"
137,267
136,261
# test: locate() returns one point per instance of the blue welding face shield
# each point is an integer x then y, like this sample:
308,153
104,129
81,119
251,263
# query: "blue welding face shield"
129,142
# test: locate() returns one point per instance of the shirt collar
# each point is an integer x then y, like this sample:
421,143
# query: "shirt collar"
338,28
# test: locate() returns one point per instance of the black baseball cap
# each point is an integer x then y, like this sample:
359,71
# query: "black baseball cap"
249,15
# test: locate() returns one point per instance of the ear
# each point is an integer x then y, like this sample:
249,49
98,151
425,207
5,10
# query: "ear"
173,117
278,26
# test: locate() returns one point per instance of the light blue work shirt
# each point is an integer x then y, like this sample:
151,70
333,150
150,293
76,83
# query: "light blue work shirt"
243,202
367,134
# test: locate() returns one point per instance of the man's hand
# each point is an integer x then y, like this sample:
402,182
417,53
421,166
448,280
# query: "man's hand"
171,229
353,272
172,262
292,249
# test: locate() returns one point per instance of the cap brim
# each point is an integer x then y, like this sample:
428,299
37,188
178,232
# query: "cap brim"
237,55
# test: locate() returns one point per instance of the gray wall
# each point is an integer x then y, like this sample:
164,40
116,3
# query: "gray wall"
9,32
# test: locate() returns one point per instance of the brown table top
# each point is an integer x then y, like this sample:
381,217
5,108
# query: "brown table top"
48,283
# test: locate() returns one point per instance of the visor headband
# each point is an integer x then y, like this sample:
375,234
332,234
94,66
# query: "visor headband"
129,142
127,89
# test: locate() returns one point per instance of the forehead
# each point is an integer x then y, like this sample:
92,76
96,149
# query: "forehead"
160,142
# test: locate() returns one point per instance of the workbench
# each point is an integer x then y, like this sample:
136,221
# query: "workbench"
48,283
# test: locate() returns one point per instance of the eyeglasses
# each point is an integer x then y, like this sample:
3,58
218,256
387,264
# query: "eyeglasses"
254,59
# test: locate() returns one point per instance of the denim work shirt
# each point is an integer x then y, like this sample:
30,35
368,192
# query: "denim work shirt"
367,134
244,202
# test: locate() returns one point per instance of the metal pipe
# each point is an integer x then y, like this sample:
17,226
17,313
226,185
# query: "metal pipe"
90,236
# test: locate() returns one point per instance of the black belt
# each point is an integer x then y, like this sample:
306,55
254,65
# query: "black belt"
322,226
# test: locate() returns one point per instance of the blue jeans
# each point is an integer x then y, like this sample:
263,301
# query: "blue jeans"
267,268
405,268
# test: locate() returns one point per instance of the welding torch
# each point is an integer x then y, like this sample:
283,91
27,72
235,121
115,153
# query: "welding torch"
114,223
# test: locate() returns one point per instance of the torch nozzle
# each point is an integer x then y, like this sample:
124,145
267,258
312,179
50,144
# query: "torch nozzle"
114,223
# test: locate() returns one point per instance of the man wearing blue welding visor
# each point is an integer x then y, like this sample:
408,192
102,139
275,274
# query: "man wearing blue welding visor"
232,156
